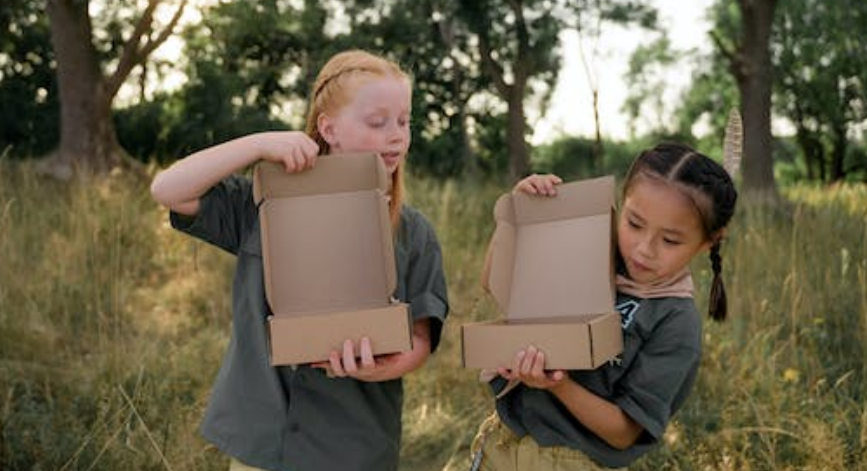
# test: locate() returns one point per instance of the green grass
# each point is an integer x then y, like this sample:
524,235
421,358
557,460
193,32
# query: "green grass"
112,327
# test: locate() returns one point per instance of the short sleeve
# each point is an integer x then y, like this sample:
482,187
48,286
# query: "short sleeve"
226,212
663,373
426,285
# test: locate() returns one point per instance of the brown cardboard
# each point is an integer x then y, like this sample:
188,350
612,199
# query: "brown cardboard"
328,258
550,269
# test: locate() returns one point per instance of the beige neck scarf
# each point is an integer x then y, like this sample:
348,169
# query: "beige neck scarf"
678,286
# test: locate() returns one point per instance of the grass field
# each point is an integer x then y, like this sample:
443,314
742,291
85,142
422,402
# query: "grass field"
112,327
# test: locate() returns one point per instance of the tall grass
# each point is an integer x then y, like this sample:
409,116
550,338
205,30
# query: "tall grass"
112,327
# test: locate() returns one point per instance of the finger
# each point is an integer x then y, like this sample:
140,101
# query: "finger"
527,362
300,161
367,360
553,181
516,363
538,368
311,148
349,363
336,366
527,187
289,164
309,160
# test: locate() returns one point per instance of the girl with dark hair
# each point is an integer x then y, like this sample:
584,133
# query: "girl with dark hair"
676,204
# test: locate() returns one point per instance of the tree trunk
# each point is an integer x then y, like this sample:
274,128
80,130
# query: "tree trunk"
754,78
838,151
88,140
519,153
598,149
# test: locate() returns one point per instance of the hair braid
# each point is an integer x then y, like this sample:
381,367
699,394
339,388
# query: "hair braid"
718,305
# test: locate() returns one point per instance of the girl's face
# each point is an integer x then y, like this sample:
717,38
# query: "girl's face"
376,119
659,231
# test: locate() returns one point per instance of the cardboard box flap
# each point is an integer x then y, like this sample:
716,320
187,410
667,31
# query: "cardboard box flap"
499,260
573,200
333,173
326,235
548,255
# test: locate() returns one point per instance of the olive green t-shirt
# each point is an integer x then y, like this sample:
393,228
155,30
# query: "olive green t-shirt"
649,381
299,419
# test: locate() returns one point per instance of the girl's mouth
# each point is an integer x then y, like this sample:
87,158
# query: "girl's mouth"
390,158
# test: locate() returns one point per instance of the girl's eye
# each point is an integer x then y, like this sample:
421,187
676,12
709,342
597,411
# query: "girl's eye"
671,241
376,123
633,224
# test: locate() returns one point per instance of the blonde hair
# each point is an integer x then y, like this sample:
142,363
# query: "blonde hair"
335,87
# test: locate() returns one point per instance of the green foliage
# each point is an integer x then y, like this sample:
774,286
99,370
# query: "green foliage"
28,91
822,84
572,158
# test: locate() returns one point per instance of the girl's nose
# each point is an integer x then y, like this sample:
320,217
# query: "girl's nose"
395,131
645,247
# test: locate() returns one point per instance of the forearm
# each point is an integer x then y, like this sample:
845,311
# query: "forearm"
604,418
181,185
414,359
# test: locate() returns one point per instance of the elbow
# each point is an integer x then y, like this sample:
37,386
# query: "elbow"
622,443
163,193
158,189
627,436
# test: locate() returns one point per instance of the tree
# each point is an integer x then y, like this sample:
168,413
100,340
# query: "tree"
745,44
426,37
88,140
822,80
28,117
517,42
587,18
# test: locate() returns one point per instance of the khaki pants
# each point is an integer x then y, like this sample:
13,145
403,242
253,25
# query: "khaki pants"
502,450
236,465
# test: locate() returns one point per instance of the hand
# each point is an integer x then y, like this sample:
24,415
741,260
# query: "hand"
544,185
528,367
295,150
366,367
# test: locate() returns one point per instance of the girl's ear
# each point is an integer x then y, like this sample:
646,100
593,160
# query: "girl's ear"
326,128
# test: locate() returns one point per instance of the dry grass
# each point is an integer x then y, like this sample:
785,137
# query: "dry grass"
112,327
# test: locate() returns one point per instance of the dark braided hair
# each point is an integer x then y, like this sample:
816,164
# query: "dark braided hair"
711,190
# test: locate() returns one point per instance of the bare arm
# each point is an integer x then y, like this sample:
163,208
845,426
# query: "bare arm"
606,419
180,186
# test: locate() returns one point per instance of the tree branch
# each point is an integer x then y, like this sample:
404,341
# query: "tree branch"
134,53
491,65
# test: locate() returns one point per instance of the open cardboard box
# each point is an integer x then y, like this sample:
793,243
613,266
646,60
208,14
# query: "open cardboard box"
550,269
328,257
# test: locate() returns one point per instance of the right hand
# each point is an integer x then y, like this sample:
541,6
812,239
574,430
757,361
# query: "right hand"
295,150
535,184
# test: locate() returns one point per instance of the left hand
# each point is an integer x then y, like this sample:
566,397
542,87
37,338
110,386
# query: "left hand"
367,367
528,367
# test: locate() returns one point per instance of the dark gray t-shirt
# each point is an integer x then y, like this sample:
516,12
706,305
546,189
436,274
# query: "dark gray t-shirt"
650,380
298,419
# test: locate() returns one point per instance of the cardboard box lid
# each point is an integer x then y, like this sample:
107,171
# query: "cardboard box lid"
326,235
553,256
